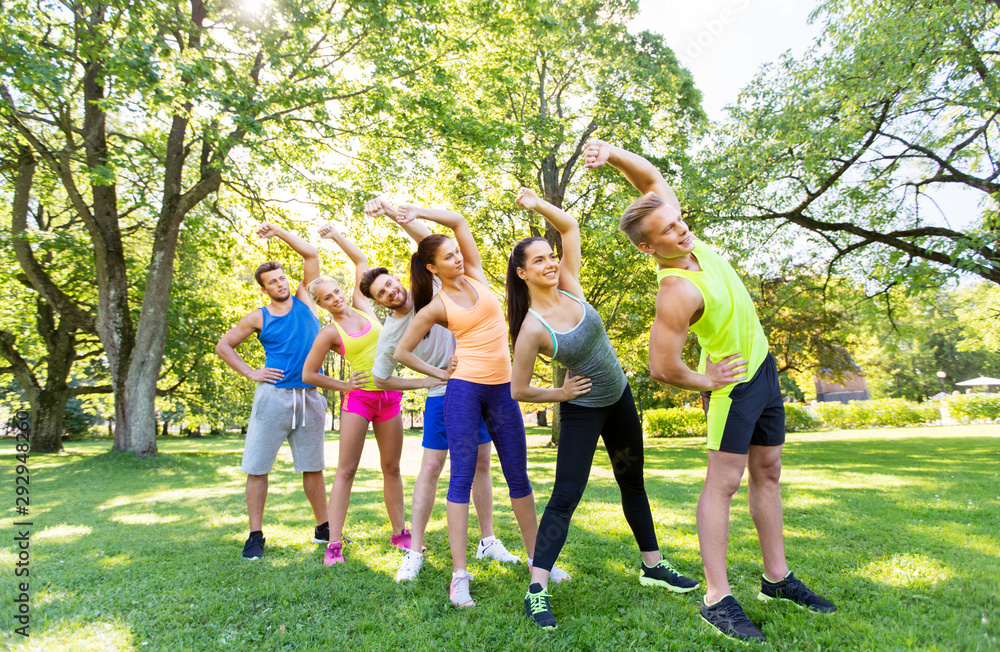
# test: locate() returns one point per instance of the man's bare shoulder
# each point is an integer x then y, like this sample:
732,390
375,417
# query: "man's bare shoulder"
253,319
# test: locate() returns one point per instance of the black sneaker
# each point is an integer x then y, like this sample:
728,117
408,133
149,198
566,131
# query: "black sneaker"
536,605
321,533
253,549
728,618
792,589
663,574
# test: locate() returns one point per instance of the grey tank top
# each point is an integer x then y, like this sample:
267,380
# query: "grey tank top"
586,351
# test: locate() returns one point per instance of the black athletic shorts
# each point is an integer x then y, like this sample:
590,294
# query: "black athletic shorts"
752,414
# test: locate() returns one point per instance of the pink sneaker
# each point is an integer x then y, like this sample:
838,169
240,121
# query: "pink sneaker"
334,554
401,540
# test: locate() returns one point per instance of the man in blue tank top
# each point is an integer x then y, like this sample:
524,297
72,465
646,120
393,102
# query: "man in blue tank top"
284,407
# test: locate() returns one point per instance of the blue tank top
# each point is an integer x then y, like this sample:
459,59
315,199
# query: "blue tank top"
287,340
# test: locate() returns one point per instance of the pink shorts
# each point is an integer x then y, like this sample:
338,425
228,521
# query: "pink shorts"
375,406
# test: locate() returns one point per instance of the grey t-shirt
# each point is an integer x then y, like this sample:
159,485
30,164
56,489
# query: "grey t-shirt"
436,349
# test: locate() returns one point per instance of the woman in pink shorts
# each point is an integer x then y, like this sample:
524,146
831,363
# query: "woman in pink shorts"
354,334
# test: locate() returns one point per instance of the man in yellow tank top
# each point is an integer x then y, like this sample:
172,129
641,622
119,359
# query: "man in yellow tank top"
700,292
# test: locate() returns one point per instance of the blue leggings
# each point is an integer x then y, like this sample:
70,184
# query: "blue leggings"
464,403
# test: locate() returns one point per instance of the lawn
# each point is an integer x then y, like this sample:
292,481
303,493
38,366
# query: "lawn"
899,527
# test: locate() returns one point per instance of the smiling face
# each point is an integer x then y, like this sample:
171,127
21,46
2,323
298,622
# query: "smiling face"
387,291
541,267
275,285
331,297
448,262
667,235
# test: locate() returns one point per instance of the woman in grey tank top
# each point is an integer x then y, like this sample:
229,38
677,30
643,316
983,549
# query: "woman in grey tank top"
548,315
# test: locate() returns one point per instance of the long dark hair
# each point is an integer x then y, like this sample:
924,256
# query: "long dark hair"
421,279
518,298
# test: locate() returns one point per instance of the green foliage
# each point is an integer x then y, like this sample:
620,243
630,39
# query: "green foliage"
852,144
798,418
974,407
674,422
875,413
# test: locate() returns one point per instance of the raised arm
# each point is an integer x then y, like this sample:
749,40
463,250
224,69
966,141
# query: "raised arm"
677,304
358,257
432,313
642,174
309,253
569,265
379,206
454,221
226,349
525,350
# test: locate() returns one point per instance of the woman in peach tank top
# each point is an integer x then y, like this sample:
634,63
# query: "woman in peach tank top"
479,385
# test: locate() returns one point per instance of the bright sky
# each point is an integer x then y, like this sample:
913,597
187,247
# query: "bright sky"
724,42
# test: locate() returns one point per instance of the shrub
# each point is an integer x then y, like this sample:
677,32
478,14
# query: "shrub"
674,422
798,418
974,407
879,412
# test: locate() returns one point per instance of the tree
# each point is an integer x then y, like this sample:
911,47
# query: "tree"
52,350
142,112
850,146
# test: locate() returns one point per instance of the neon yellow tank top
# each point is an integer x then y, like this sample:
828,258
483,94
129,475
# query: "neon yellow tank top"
729,323
359,348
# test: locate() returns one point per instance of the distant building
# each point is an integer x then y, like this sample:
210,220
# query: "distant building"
852,387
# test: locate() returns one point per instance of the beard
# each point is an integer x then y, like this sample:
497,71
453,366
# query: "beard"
283,298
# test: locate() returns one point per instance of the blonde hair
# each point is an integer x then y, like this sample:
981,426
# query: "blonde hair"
316,283
633,221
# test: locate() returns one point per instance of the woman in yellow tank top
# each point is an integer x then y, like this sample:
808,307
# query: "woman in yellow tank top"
354,335
479,385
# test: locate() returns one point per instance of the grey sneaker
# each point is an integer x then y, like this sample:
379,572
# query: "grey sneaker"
459,592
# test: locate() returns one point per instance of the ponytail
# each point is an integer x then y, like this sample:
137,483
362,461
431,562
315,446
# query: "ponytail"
421,278
518,297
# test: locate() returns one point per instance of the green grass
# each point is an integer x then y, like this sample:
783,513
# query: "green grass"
898,527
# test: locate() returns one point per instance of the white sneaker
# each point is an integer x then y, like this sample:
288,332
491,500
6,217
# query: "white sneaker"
459,592
494,549
412,561
555,575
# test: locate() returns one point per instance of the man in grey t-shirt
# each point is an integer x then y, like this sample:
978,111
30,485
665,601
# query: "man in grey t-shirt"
437,349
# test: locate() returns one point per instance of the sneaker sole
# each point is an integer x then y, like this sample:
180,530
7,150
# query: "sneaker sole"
741,641
649,581
763,597
252,558
315,540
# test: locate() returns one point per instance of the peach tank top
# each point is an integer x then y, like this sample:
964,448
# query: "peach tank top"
481,332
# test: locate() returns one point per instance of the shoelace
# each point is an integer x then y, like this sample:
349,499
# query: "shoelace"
795,589
734,613
538,602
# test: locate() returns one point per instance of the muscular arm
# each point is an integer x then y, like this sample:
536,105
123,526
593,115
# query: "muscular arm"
642,174
432,313
325,342
226,349
526,349
309,253
678,303
568,228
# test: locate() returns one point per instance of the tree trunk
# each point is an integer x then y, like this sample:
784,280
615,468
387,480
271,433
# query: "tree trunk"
47,411
166,428
542,418
558,376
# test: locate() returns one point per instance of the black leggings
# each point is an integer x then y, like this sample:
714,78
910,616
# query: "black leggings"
621,430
